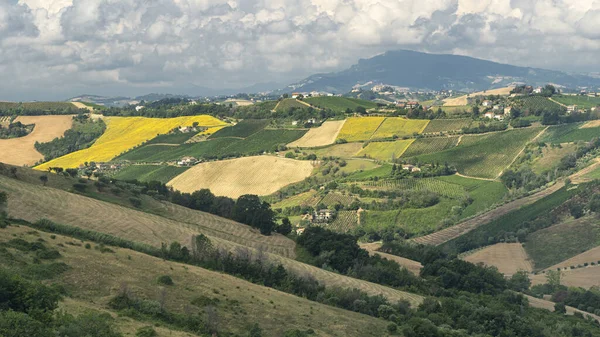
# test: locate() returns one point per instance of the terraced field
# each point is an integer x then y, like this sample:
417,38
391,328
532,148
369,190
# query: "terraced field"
321,136
400,127
31,202
21,151
124,133
445,125
484,156
358,129
385,150
162,173
261,175
423,146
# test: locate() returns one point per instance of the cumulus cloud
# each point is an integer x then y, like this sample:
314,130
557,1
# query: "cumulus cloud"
57,48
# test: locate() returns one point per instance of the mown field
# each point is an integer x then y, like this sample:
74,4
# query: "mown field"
124,133
358,129
400,127
445,125
585,102
21,151
242,129
261,175
385,150
423,146
321,136
162,173
509,258
484,156
561,242
340,104
568,133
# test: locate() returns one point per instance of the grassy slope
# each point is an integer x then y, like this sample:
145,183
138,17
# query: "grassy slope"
242,129
162,173
172,138
581,101
95,277
32,202
442,125
289,103
484,193
567,133
484,155
385,150
552,245
423,146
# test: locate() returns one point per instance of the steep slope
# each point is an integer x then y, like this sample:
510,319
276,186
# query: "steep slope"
413,69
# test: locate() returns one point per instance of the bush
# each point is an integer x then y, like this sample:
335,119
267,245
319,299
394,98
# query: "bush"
136,202
165,280
146,331
392,328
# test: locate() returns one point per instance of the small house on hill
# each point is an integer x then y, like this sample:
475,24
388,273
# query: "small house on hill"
411,168
572,108
489,115
323,216
187,161
487,103
412,104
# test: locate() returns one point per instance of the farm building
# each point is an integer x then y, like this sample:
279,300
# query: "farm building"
412,104
139,107
489,115
572,108
487,103
411,168
401,105
323,216
187,161
507,110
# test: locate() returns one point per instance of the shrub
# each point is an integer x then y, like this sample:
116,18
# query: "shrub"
146,331
136,202
88,246
392,328
165,280
80,187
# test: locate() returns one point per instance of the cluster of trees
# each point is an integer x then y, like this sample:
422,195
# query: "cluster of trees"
435,169
527,180
15,130
420,113
83,134
20,110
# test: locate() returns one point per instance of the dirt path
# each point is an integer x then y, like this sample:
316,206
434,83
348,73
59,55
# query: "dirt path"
478,178
578,178
453,232
557,102
523,150
411,265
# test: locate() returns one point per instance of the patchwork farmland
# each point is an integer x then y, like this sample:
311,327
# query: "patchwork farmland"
360,128
387,151
399,127
325,134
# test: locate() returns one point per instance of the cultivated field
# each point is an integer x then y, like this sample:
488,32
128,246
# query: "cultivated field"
95,277
80,105
560,242
435,185
589,256
568,133
551,157
585,102
591,124
536,103
454,232
347,150
32,202
242,129
340,104
162,173
400,127
430,145
321,136
310,198
509,258
344,222
124,133
462,100
289,103
445,125
334,198
358,129
586,277
385,150
261,175
21,151
485,156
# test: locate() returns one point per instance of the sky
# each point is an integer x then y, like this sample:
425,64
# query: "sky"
56,49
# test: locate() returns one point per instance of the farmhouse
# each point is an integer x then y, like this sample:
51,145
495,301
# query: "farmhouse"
487,103
499,117
401,105
187,161
139,107
296,94
507,110
323,216
411,168
489,115
412,104
572,108
537,90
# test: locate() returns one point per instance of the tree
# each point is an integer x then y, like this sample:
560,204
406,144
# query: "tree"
361,110
44,179
520,281
250,210
560,308
553,278
285,228
255,331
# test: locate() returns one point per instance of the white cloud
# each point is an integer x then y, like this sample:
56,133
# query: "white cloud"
127,46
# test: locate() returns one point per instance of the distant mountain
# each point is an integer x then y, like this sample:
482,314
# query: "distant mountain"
415,70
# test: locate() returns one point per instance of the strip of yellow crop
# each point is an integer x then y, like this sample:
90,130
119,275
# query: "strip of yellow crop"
360,128
386,150
124,133
401,127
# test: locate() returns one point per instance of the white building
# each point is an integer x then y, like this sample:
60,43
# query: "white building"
139,107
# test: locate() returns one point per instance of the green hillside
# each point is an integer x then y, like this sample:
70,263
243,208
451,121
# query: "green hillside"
340,104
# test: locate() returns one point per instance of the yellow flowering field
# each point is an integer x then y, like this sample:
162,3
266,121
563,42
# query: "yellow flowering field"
124,133
400,127
360,128
386,150
211,130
